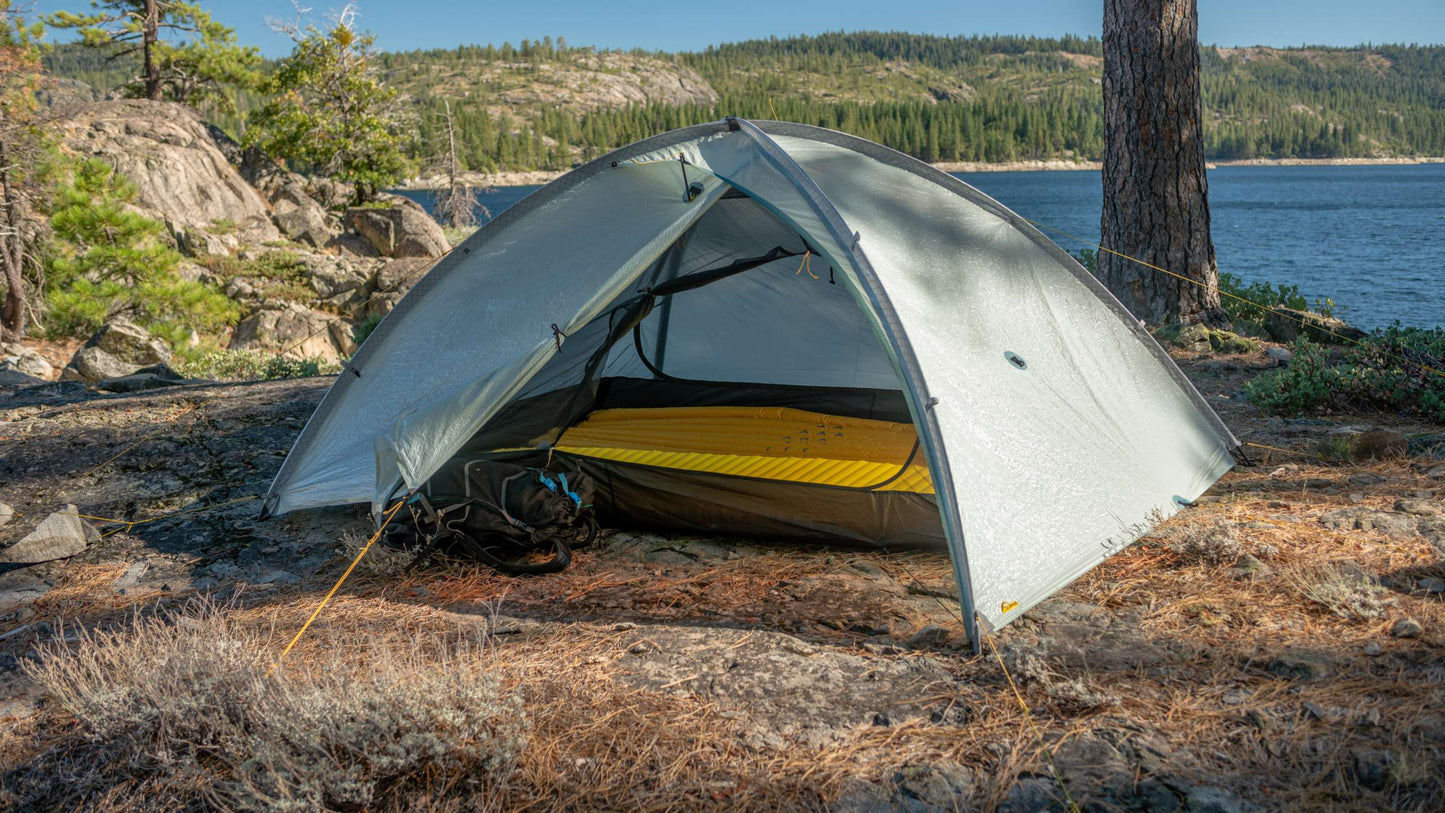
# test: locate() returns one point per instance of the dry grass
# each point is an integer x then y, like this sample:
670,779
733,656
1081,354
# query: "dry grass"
177,709
1244,645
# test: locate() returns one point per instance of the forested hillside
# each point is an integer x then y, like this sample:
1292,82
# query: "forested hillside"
547,105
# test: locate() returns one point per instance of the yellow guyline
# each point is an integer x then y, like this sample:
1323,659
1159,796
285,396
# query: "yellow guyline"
1222,292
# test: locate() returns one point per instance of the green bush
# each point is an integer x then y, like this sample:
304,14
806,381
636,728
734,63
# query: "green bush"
1260,297
1398,369
251,365
277,274
361,331
104,259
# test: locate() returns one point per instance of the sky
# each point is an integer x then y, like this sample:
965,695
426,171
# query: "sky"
672,26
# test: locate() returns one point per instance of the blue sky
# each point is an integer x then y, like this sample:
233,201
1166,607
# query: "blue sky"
672,26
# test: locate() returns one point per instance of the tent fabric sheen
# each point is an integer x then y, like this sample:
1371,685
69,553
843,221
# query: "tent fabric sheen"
1041,471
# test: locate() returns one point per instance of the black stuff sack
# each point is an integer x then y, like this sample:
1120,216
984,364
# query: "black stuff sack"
504,515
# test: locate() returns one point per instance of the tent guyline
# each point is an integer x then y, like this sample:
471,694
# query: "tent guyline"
1407,362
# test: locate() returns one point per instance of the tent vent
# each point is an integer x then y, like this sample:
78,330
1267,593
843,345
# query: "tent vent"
1015,359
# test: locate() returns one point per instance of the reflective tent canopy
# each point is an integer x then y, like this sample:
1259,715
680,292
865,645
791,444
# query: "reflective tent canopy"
778,329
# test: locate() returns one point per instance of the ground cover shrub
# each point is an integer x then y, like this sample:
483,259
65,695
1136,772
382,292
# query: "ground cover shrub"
178,709
1397,369
251,365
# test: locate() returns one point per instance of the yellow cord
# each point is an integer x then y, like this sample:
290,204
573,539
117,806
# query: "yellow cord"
1028,715
1222,292
354,562
128,524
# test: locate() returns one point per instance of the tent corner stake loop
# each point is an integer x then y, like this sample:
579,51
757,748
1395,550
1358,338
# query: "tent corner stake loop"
557,335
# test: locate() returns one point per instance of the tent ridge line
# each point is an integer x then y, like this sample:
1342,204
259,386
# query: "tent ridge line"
929,430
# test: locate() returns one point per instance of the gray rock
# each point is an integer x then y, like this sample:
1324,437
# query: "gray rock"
278,577
1033,794
940,786
1369,519
6,514
339,282
1428,446
295,329
1419,508
1372,767
929,636
20,588
1281,355
1430,586
301,218
12,379
198,243
21,359
118,349
58,536
1437,473
402,230
146,378
166,150
132,576
1406,628
1212,800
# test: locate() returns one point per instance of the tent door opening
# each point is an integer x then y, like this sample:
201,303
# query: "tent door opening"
738,390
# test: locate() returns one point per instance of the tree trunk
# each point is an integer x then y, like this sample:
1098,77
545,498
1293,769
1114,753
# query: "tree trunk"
150,33
12,254
1156,202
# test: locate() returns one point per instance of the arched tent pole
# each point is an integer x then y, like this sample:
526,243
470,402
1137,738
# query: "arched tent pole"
920,403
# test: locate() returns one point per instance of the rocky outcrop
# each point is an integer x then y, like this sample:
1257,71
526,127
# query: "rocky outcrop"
59,536
166,150
1287,324
118,349
296,331
17,358
301,218
403,229
392,282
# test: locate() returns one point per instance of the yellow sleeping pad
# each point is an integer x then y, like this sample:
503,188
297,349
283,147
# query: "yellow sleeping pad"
770,443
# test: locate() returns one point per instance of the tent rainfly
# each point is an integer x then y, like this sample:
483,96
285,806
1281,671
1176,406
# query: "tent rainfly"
770,328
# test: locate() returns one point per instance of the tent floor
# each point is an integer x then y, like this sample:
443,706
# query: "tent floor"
758,471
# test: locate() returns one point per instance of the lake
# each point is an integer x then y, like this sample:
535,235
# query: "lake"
1372,238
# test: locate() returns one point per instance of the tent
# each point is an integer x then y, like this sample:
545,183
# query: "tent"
780,329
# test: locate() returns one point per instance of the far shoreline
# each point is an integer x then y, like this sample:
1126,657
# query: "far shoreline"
541,177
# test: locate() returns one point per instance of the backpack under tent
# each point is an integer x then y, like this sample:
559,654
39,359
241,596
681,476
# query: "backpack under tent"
772,329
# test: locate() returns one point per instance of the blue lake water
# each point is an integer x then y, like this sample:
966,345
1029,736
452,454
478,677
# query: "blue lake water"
1372,238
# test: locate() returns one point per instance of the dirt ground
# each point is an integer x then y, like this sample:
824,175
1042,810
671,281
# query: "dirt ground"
1279,645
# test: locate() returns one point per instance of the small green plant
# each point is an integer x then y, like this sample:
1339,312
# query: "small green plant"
251,365
361,331
276,274
105,260
1089,259
224,225
1251,301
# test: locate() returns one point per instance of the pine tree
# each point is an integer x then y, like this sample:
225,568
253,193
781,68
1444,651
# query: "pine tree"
329,110
20,150
183,50
106,259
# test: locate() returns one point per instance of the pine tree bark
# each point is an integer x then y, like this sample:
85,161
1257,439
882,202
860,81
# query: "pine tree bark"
150,34
1156,195
12,251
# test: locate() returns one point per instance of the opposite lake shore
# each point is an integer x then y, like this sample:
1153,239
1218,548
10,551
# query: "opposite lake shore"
539,177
